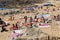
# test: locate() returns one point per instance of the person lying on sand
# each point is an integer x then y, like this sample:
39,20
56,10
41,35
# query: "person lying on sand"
3,24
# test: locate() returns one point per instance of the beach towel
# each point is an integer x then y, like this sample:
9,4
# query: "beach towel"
39,16
46,16
18,31
14,35
44,25
49,4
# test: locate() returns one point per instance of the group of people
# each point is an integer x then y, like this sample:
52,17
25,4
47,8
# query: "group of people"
33,21
41,20
33,9
30,22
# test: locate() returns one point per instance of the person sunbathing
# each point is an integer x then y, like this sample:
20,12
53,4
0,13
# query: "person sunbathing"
11,18
42,20
15,27
31,19
28,25
3,24
58,17
36,20
54,9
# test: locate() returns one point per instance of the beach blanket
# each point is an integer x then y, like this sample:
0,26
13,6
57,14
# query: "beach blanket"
19,31
46,16
49,4
44,25
16,34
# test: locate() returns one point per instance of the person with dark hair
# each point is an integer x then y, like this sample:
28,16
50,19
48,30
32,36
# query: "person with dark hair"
58,17
35,17
42,20
31,19
53,9
25,17
2,23
15,27
41,7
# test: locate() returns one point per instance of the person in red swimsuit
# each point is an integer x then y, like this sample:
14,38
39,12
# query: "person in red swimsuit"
15,27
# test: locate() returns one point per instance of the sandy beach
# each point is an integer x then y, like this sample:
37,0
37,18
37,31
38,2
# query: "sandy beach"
53,30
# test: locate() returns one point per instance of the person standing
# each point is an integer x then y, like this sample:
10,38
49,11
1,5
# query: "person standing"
25,17
35,17
31,19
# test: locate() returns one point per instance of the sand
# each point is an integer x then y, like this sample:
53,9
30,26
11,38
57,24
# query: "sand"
52,31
